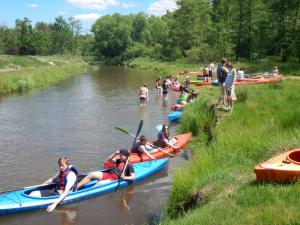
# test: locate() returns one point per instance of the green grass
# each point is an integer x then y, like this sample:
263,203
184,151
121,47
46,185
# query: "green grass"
264,124
250,67
24,73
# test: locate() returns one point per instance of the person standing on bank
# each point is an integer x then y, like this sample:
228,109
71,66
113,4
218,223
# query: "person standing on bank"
221,76
211,70
66,182
230,86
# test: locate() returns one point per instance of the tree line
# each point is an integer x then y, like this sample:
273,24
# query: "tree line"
198,31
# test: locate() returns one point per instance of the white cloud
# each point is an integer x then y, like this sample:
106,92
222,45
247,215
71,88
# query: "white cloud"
93,4
160,7
33,5
90,16
128,5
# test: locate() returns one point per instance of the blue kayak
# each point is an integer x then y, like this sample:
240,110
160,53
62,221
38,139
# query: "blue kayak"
174,115
20,201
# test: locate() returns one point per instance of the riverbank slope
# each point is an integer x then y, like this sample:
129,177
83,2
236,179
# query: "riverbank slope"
20,73
217,186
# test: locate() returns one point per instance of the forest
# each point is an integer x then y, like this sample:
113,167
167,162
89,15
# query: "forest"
198,31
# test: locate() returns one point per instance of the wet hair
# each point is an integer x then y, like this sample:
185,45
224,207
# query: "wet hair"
63,160
143,138
124,152
145,85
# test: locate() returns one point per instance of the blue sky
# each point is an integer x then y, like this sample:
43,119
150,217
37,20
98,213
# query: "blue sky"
87,11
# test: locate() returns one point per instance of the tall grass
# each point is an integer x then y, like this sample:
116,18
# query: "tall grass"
264,124
34,73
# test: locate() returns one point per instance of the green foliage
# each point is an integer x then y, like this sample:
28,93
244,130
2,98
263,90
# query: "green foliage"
259,127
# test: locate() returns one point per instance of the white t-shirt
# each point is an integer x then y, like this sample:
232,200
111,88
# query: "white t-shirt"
240,74
211,67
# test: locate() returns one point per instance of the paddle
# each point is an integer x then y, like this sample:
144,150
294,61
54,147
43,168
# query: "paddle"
130,134
185,154
133,144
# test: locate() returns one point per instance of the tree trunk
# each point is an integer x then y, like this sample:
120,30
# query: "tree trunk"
238,47
249,28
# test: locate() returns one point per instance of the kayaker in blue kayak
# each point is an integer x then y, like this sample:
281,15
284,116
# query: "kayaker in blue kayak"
66,182
141,147
119,158
164,140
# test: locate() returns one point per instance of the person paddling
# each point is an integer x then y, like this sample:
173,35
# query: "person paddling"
141,147
66,182
119,158
163,138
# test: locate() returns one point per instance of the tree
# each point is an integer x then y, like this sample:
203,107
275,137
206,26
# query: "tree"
24,36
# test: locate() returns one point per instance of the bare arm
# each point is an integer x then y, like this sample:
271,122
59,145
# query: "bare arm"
71,179
146,152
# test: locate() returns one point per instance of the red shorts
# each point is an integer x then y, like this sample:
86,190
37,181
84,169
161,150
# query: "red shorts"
109,176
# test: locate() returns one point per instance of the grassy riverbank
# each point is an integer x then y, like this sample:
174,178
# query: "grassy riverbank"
174,68
20,73
217,186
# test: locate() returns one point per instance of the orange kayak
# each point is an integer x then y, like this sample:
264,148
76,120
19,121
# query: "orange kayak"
176,107
182,139
261,80
282,168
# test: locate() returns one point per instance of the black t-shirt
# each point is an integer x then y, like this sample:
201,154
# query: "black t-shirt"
129,169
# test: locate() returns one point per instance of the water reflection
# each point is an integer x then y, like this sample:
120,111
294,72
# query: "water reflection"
123,202
68,215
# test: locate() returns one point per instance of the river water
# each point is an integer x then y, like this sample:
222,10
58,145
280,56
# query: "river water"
76,118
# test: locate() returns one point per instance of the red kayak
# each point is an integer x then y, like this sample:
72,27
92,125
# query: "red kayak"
182,139
176,107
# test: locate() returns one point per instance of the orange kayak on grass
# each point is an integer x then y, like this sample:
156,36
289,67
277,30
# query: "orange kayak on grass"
176,107
282,168
261,80
182,139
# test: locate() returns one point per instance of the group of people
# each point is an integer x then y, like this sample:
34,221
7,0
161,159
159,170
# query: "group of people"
67,179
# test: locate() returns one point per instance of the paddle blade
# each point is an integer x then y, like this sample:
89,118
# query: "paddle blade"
185,154
122,130
159,127
137,132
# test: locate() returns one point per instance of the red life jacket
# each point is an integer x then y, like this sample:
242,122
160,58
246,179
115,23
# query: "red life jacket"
62,178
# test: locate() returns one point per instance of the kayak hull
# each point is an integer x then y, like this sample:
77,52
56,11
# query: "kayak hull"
20,201
174,115
182,139
283,168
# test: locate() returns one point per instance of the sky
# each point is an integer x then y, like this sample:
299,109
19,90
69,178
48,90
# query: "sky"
87,11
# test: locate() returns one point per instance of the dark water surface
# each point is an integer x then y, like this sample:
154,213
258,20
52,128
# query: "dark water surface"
76,118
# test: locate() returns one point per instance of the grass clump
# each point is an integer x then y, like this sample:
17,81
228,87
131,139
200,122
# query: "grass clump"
35,72
265,122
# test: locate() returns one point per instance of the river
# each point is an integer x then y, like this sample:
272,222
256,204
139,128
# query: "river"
76,118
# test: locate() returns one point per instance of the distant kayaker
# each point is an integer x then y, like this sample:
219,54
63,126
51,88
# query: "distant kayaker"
158,85
144,94
66,182
240,74
119,158
164,140
141,147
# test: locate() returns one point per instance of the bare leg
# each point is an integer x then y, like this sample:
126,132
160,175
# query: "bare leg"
89,177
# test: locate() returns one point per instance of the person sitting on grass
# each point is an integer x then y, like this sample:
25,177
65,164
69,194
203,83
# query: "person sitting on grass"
164,140
119,158
141,147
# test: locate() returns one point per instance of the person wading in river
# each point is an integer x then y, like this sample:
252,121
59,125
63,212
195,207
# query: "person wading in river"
144,94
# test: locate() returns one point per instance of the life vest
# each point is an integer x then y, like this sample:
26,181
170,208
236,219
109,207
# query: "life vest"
62,178
118,169
136,148
162,135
